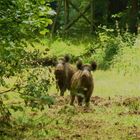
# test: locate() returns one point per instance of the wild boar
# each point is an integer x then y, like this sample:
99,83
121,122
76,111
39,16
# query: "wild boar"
82,83
63,74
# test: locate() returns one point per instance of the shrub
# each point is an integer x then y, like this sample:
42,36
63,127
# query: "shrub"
108,46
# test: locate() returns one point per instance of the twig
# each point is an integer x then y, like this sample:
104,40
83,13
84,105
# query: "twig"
6,91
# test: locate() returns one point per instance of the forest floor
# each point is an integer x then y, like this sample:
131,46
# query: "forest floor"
107,118
114,113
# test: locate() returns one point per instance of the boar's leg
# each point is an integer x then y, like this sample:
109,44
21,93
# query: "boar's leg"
72,99
87,99
80,99
62,91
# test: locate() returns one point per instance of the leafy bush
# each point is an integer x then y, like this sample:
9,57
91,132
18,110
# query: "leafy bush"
104,47
20,22
107,47
35,92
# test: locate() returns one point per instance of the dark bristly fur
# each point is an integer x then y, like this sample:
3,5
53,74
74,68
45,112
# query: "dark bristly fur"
63,74
82,84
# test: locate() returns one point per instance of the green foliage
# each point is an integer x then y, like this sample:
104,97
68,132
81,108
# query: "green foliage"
106,12
5,118
105,48
23,18
25,21
35,92
33,89
21,21
110,45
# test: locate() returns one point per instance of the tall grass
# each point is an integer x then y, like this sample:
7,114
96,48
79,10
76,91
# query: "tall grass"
127,61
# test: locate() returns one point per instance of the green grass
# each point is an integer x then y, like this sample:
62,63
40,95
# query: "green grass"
101,122
108,118
110,83
60,47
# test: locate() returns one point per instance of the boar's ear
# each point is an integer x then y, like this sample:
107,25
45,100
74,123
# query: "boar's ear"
79,64
93,65
67,58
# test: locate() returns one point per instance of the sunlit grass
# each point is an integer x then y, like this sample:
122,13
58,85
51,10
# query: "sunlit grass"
101,122
109,83
59,48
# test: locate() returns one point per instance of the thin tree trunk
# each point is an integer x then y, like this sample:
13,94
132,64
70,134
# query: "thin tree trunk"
133,16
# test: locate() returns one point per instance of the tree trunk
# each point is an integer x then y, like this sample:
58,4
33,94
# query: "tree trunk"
133,16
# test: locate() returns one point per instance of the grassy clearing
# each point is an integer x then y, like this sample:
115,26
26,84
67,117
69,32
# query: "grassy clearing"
113,114
110,83
60,47
106,119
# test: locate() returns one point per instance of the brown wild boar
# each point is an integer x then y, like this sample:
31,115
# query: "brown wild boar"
63,74
82,84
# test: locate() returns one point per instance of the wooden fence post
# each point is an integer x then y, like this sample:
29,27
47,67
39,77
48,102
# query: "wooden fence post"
68,23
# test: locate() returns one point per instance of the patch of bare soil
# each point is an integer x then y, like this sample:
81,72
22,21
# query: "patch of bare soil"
61,100
87,124
74,124
100,101
133,104
85,127
129,113
137,134
132,100
76,136
134,132
106,102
